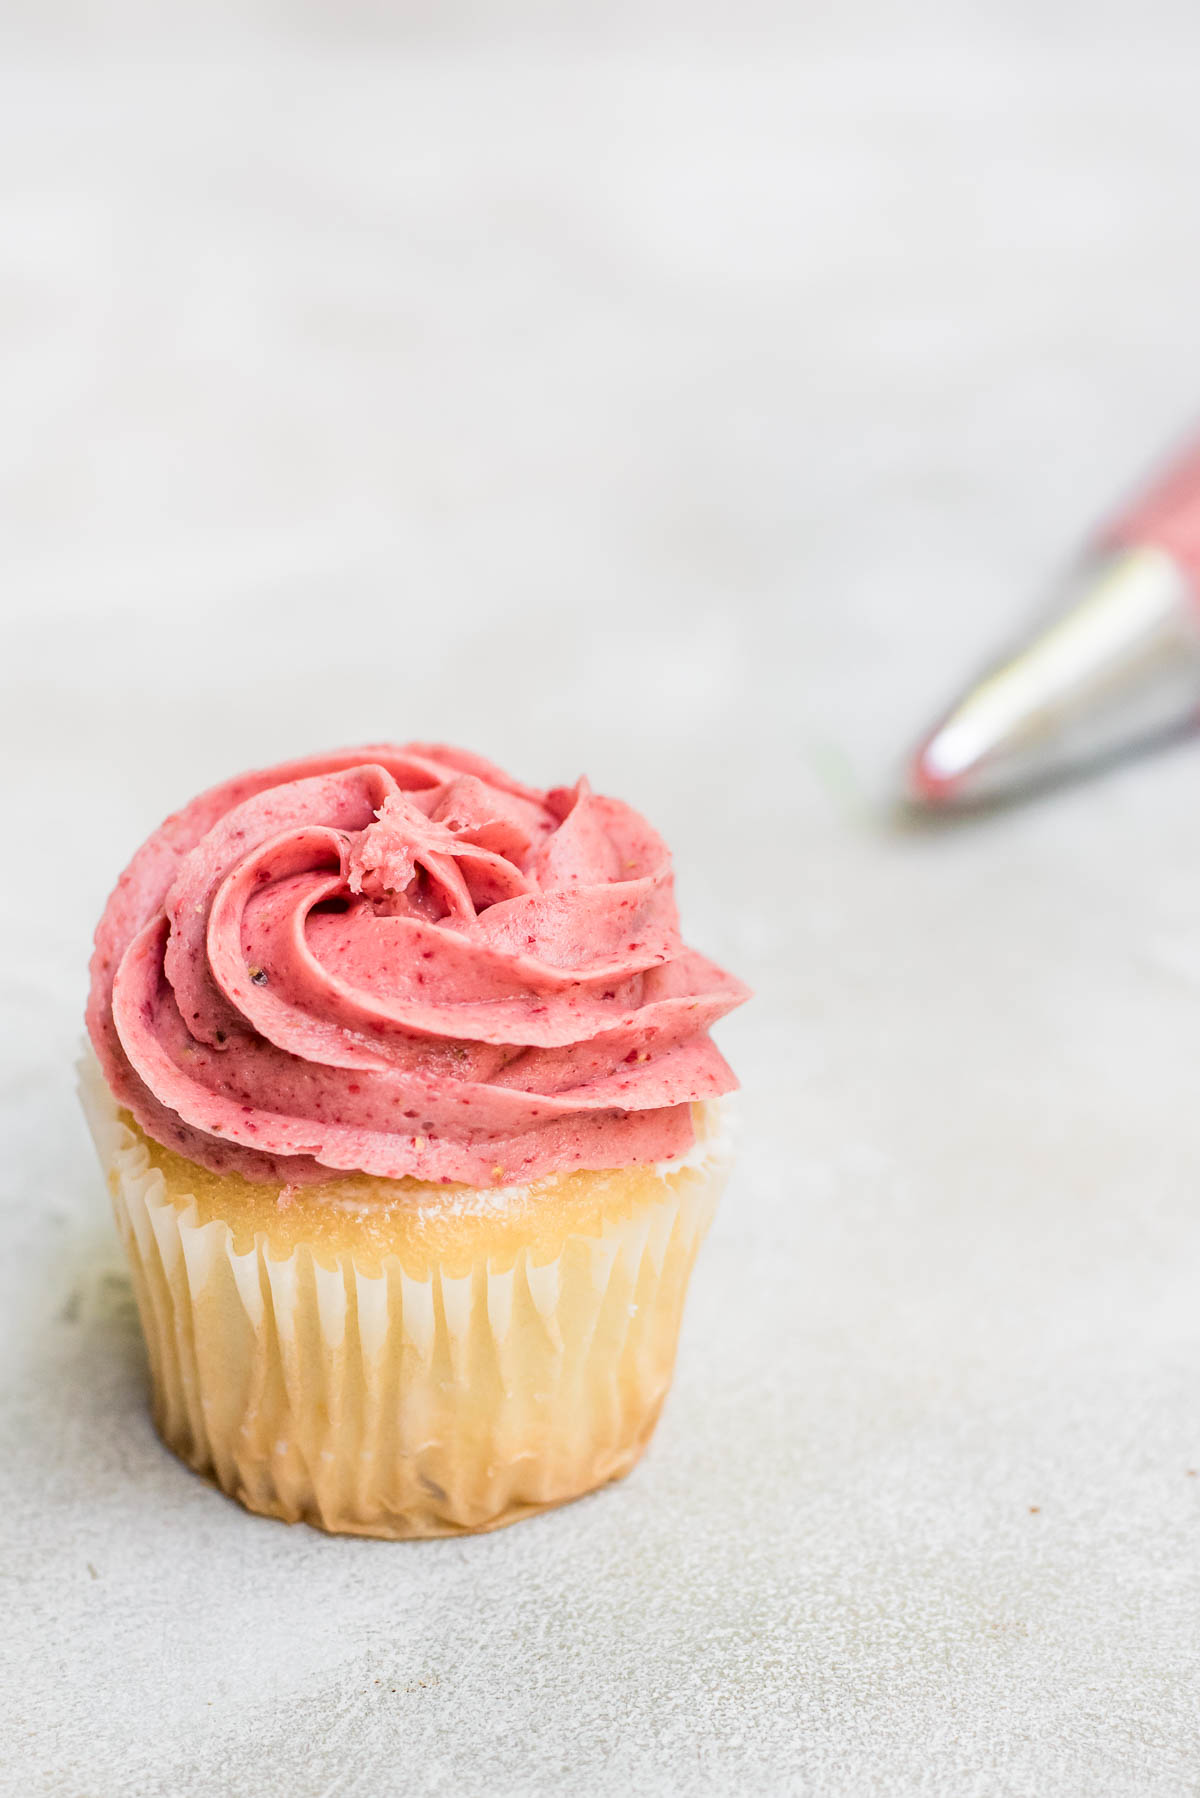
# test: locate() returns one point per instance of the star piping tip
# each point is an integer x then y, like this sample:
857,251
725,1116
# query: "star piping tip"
927,784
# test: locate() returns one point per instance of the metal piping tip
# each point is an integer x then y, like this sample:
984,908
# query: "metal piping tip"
935,771
1117,664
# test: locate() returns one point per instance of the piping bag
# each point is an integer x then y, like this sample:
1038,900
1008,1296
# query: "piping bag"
1113,668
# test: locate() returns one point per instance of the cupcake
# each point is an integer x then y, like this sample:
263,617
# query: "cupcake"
402,1083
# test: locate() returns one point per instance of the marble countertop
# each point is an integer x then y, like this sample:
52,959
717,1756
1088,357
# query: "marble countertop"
688,398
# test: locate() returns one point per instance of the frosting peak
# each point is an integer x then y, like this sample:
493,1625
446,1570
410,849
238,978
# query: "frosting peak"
397,960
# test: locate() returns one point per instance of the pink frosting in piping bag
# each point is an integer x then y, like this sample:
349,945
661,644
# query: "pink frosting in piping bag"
397,960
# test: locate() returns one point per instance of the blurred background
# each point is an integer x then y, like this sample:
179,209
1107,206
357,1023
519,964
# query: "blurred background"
687,395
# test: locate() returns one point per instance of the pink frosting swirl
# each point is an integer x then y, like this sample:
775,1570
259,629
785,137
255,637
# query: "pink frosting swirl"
399,961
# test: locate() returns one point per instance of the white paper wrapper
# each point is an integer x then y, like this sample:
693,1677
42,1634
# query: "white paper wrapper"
459,1380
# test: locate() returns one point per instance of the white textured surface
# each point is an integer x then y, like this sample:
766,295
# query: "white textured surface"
682,395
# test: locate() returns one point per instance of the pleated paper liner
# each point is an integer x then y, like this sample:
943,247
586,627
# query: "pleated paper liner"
392,1359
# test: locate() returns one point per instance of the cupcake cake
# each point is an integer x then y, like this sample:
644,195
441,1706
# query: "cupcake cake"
403,1085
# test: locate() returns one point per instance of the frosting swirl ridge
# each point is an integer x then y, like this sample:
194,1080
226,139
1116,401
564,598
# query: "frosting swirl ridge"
397,960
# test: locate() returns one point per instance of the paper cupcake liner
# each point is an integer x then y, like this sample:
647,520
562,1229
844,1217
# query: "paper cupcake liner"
397,1394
